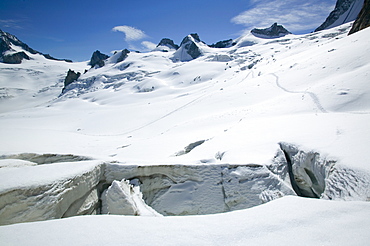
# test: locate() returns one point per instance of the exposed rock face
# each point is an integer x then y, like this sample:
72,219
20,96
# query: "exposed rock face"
123,56
6,42
97,59
15,58
166,42
188,38
71,76
274,31
344,11
189,48
363,19
47,56
223,44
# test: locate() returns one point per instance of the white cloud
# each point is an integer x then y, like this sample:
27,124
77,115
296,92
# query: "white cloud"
295,15
131,33
148,45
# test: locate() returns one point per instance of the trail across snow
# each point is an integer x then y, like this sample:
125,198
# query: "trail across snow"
313,96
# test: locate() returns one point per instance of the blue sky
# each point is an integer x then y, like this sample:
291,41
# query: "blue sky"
74,29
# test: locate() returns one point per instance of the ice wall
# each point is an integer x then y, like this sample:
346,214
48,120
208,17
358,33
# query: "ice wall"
42,192
51,191
201,189
122,198
316,176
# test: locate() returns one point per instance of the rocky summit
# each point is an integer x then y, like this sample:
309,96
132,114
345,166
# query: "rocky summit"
97,59
274,31
167,43
11,56
344,11
189,48
363,19
223,44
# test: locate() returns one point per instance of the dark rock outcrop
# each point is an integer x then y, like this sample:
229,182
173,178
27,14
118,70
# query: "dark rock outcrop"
47,56
188,38
274,31
344,11
7,39
168,43
363,19
189,45
97,59
223,44
6,42
71,77
15,58
123,56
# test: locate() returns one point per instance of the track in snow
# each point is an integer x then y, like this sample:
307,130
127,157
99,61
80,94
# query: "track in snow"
313,96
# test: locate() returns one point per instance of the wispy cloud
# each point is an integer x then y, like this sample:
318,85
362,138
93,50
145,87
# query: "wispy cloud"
148,45
10,23
131,33
132,37
295,15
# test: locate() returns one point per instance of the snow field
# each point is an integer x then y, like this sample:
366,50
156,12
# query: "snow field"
309,91
288,220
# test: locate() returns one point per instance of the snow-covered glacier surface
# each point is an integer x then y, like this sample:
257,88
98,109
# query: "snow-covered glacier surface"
284,221
231,130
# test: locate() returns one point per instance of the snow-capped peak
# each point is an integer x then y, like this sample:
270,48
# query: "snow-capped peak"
190,48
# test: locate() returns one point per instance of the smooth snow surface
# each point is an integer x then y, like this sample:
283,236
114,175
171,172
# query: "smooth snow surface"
286,221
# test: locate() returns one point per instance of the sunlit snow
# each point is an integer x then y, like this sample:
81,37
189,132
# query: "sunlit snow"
229,107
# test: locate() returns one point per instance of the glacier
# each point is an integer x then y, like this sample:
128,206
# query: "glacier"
30,193
244,131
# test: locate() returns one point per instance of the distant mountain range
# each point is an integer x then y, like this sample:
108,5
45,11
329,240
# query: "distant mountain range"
13,51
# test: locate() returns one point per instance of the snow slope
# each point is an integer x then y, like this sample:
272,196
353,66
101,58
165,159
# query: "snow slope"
33,82
309,89
286,221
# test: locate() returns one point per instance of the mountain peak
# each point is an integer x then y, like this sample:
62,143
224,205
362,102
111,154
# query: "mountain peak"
274,31
166,44
9,55
344,11
194,37
189,49
97,59
363,19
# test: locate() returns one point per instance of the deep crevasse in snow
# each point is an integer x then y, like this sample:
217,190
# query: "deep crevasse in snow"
97,187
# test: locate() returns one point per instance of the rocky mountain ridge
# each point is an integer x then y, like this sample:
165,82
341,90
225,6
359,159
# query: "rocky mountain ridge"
8,53
363,19
274,31
344,11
